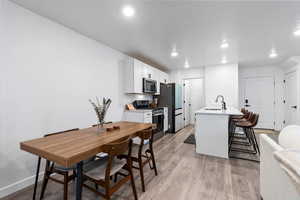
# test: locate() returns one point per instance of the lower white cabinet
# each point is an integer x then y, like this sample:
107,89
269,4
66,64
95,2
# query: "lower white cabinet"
142,116
138,116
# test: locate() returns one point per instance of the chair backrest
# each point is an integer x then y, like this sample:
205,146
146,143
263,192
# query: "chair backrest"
146,134
118,147
248,115
57,133
255,119
243,110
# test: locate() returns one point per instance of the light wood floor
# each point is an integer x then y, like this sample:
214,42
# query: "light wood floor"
183,175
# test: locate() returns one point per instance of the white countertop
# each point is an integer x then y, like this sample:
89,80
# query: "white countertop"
142,110
228,111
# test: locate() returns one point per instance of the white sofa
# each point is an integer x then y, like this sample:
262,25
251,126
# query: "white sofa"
275,184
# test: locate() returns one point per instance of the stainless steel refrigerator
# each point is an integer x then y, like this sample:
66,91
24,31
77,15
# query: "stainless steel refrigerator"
171,97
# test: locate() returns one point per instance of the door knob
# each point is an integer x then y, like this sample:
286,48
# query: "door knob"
295,107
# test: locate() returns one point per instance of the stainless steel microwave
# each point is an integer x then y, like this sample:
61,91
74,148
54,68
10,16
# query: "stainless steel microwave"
149,85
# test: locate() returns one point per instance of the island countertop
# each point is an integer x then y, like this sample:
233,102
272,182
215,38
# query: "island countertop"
218,111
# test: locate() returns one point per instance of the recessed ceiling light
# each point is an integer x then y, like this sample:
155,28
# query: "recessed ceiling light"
297,32
174,53
224,60
186,64
224,44
273,54
128,11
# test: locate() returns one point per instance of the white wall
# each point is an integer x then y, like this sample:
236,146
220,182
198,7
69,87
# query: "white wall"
221,79
177,76
48,73
276,73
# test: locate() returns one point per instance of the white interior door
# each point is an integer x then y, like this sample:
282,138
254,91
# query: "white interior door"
291,106
259,91
194,99
187,99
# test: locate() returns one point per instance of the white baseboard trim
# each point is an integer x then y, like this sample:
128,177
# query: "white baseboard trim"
19,185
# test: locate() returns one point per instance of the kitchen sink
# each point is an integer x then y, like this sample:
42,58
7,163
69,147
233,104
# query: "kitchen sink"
212,109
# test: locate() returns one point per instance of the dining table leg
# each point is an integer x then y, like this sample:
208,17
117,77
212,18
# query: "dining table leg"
79,180
36,177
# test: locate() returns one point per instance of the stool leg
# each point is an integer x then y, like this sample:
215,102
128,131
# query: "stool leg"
255,141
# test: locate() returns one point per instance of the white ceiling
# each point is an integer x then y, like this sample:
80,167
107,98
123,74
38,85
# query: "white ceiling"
197,28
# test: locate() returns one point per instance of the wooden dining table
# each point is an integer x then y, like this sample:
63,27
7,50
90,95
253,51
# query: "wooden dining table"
73,147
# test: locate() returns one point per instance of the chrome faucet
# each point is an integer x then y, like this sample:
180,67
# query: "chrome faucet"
223,102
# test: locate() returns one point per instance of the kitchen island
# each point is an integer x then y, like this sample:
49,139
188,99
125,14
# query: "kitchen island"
211,130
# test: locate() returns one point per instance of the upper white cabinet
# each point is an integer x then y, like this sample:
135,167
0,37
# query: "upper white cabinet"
134,71
133,76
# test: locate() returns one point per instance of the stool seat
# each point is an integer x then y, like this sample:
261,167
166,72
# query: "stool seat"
237,117
239,120
245,124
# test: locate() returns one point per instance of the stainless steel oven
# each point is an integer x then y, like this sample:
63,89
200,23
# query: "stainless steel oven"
158,119
149,86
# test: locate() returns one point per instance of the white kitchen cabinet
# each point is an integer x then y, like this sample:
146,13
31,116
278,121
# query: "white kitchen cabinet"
148,71
142,116
135,70
133,76
166,120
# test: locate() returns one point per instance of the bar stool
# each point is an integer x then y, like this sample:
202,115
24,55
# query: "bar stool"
247,127
232,133
237,117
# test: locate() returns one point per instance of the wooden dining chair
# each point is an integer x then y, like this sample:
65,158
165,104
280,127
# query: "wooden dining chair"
101,170
52,167
143,154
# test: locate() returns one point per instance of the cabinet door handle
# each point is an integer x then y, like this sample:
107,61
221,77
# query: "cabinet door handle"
295,107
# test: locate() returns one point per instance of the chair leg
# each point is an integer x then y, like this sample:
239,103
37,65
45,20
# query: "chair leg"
132,180
142,173
46,178
66,181
153,161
